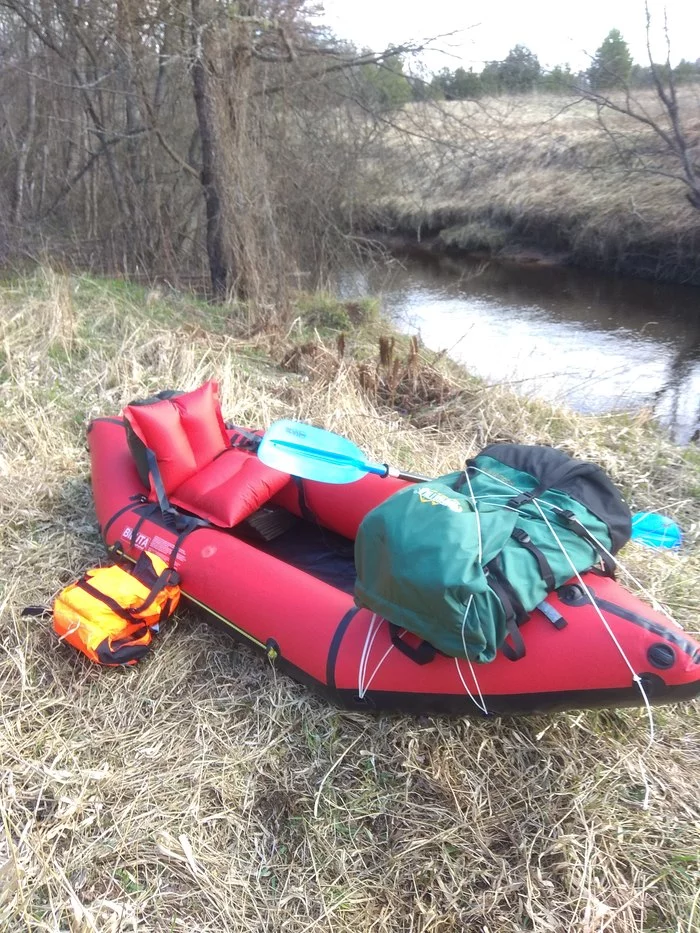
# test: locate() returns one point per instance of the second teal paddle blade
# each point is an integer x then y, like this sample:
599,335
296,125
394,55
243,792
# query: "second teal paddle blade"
312,453
656,530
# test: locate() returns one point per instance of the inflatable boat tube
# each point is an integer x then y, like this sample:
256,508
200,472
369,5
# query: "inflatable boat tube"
291,598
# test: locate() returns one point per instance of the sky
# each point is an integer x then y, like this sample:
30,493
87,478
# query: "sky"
557,31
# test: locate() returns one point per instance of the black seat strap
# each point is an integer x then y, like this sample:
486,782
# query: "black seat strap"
306,511
182,523
147,513
192,525
158,485
242,438
134,500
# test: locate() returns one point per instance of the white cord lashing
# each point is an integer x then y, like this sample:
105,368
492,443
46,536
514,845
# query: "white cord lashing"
602,618
480,704
372,675
476,513
364,658
617,562
635,676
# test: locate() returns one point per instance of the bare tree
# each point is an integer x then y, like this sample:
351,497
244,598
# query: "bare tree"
268,89
671,120
184,137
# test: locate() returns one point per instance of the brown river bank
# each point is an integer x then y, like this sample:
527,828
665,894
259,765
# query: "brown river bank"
534,178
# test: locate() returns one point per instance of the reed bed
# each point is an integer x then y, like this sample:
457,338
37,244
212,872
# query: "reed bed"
203,792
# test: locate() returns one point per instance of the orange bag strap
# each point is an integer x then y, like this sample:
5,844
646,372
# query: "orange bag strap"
167,577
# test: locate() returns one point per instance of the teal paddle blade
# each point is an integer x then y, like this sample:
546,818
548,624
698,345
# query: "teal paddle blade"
312,453
657,531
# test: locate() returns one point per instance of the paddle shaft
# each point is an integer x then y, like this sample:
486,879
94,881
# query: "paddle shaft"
379,469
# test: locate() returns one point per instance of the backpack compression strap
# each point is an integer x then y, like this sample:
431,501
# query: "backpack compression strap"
514,610
573,524
523,539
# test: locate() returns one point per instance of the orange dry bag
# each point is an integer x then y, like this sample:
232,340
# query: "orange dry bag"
111,613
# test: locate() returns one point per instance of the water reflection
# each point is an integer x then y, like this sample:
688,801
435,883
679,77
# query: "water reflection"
676,395
593,342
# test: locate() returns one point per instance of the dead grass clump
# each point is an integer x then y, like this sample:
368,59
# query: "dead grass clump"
403,377
203,792
406,382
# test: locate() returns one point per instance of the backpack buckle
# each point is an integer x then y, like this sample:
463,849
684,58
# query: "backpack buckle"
521,536
523,499
568,517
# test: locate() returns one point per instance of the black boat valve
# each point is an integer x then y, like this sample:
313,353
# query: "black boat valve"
661,655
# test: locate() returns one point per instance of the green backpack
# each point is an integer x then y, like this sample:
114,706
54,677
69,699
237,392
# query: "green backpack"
462,560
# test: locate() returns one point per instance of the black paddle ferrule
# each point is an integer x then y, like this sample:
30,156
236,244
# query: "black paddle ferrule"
414,477
399,474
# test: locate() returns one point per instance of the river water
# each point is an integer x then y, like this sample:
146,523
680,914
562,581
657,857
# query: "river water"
593,342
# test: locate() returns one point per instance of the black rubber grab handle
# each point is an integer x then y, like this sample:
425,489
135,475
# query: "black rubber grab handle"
423,653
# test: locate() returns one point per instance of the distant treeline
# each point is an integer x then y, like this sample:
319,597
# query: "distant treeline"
521,72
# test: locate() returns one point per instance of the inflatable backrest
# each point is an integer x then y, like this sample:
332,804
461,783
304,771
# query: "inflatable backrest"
184,432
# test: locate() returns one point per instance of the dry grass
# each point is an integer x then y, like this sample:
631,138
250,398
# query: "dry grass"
200,792
538,172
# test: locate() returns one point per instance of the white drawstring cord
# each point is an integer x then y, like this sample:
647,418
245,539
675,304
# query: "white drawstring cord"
363,686
476,513
71,631
379,664
635,676
369,641
600,615
482,704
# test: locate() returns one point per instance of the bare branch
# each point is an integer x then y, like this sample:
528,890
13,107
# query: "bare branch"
668,125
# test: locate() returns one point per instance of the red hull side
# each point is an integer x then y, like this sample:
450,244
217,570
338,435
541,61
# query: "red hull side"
317,634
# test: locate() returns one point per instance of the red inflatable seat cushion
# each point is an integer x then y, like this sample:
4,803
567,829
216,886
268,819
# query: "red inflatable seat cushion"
230,488
185,433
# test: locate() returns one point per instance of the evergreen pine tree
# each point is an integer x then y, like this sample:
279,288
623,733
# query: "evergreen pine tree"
612,62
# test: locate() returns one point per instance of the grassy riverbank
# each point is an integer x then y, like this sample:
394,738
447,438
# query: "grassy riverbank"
200,791
536,177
